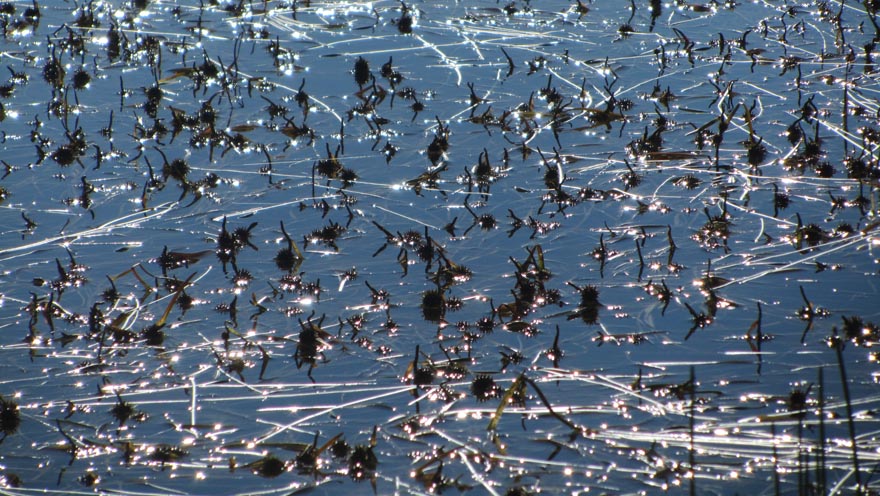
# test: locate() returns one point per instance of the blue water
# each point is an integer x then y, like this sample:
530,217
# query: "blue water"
213,409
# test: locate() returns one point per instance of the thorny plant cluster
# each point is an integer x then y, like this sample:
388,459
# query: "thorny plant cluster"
439,247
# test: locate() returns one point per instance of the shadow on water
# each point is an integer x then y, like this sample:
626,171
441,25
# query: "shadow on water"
424,247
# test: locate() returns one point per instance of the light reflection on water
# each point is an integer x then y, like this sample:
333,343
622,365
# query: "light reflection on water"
147,350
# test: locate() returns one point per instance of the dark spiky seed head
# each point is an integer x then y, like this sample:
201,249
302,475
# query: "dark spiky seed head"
347,176
551,178
454,303
153,335
308,337
825,169
154,93
308,458
631,180
757,152
242,277
177,169
856,167
173,284
625,104
81,79
812,149
64,155
796,161
812,234
425,251
435,151
423,376
484,387
10,417
32,12
226,244
185,301
412,238
89,479
405,24
285,259
781,201
843,230
794,133
457,274
361,71
387,69
207,115
340,449
209,70
123,335
329,168
111,295
487,222
797,401
589,296
151,107
123,411
589,307
407,93
689,181
853,327
363,458
242,236
486,325
433,299
53,73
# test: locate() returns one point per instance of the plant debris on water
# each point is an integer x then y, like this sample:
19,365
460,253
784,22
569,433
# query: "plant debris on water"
421,247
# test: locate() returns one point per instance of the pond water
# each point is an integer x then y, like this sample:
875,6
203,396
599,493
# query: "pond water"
463,247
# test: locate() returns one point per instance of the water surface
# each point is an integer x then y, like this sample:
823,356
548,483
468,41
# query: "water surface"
551,246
